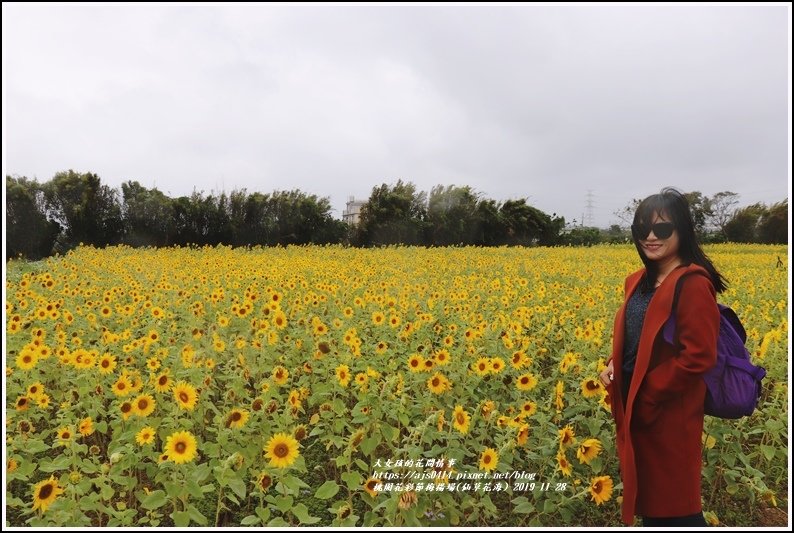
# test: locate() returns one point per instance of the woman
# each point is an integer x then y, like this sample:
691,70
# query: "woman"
657,388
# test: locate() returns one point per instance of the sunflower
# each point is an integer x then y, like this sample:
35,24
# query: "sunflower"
280,375
181,447
416,363
371,486
145,436
45,492
566,436
497,364
606,400
22,403
86,427
294,399
264,481
237,418
185,395
43,401
64,436
591,387
482,366
558,395
461,419
529,409
489,459
122,387
127,410
361,379
523,434
282,450
601,489
163,383
343,375
407,500
27,360
143,405
526,382
487,408
562,463
153,364
378,318
107,364
588,450
442,357
35,389
567,360
438,383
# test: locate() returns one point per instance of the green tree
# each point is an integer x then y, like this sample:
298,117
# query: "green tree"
743,226
722,208
393,215
148,215
452,215
773,225
28,232
88,211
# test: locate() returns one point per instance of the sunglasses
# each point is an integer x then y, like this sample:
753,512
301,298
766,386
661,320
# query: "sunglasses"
662,230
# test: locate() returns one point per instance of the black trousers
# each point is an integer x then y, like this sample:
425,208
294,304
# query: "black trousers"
693,520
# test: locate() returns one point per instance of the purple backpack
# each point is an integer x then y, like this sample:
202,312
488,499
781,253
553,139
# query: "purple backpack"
733,385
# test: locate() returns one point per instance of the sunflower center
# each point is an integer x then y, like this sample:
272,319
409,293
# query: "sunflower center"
236,416
597,486
122,386
281,450
45,491
524,381
460,418
125,408
180,447
105,363
22,402
486,459
26,359
143,404
435,382
163,380
184,397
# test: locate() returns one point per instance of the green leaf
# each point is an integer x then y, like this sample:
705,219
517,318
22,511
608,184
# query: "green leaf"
278,522
180,518
768,451
35,446
353,480
196,516
301,512
238,486
250,520
327,490
283,503
263,513
155,500
194,489
524,508
369,444
59,463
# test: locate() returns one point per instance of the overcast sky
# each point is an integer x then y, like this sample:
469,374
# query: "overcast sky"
545,103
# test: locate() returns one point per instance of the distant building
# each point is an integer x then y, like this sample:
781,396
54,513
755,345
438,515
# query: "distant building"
352,212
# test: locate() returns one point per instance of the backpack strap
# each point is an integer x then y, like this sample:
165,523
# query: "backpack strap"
669,331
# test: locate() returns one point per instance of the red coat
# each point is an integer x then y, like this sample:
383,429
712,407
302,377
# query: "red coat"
660,427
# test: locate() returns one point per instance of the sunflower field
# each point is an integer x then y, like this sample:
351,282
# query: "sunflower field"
336,386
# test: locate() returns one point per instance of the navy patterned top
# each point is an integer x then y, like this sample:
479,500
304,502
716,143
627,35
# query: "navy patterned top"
635,316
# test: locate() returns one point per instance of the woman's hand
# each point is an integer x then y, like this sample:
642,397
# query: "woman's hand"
607,375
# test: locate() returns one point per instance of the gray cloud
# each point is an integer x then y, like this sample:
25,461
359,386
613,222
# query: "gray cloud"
517,101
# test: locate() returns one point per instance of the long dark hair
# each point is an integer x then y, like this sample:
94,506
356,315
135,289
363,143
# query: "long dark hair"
672,203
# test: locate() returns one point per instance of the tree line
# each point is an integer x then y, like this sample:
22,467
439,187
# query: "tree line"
74,208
